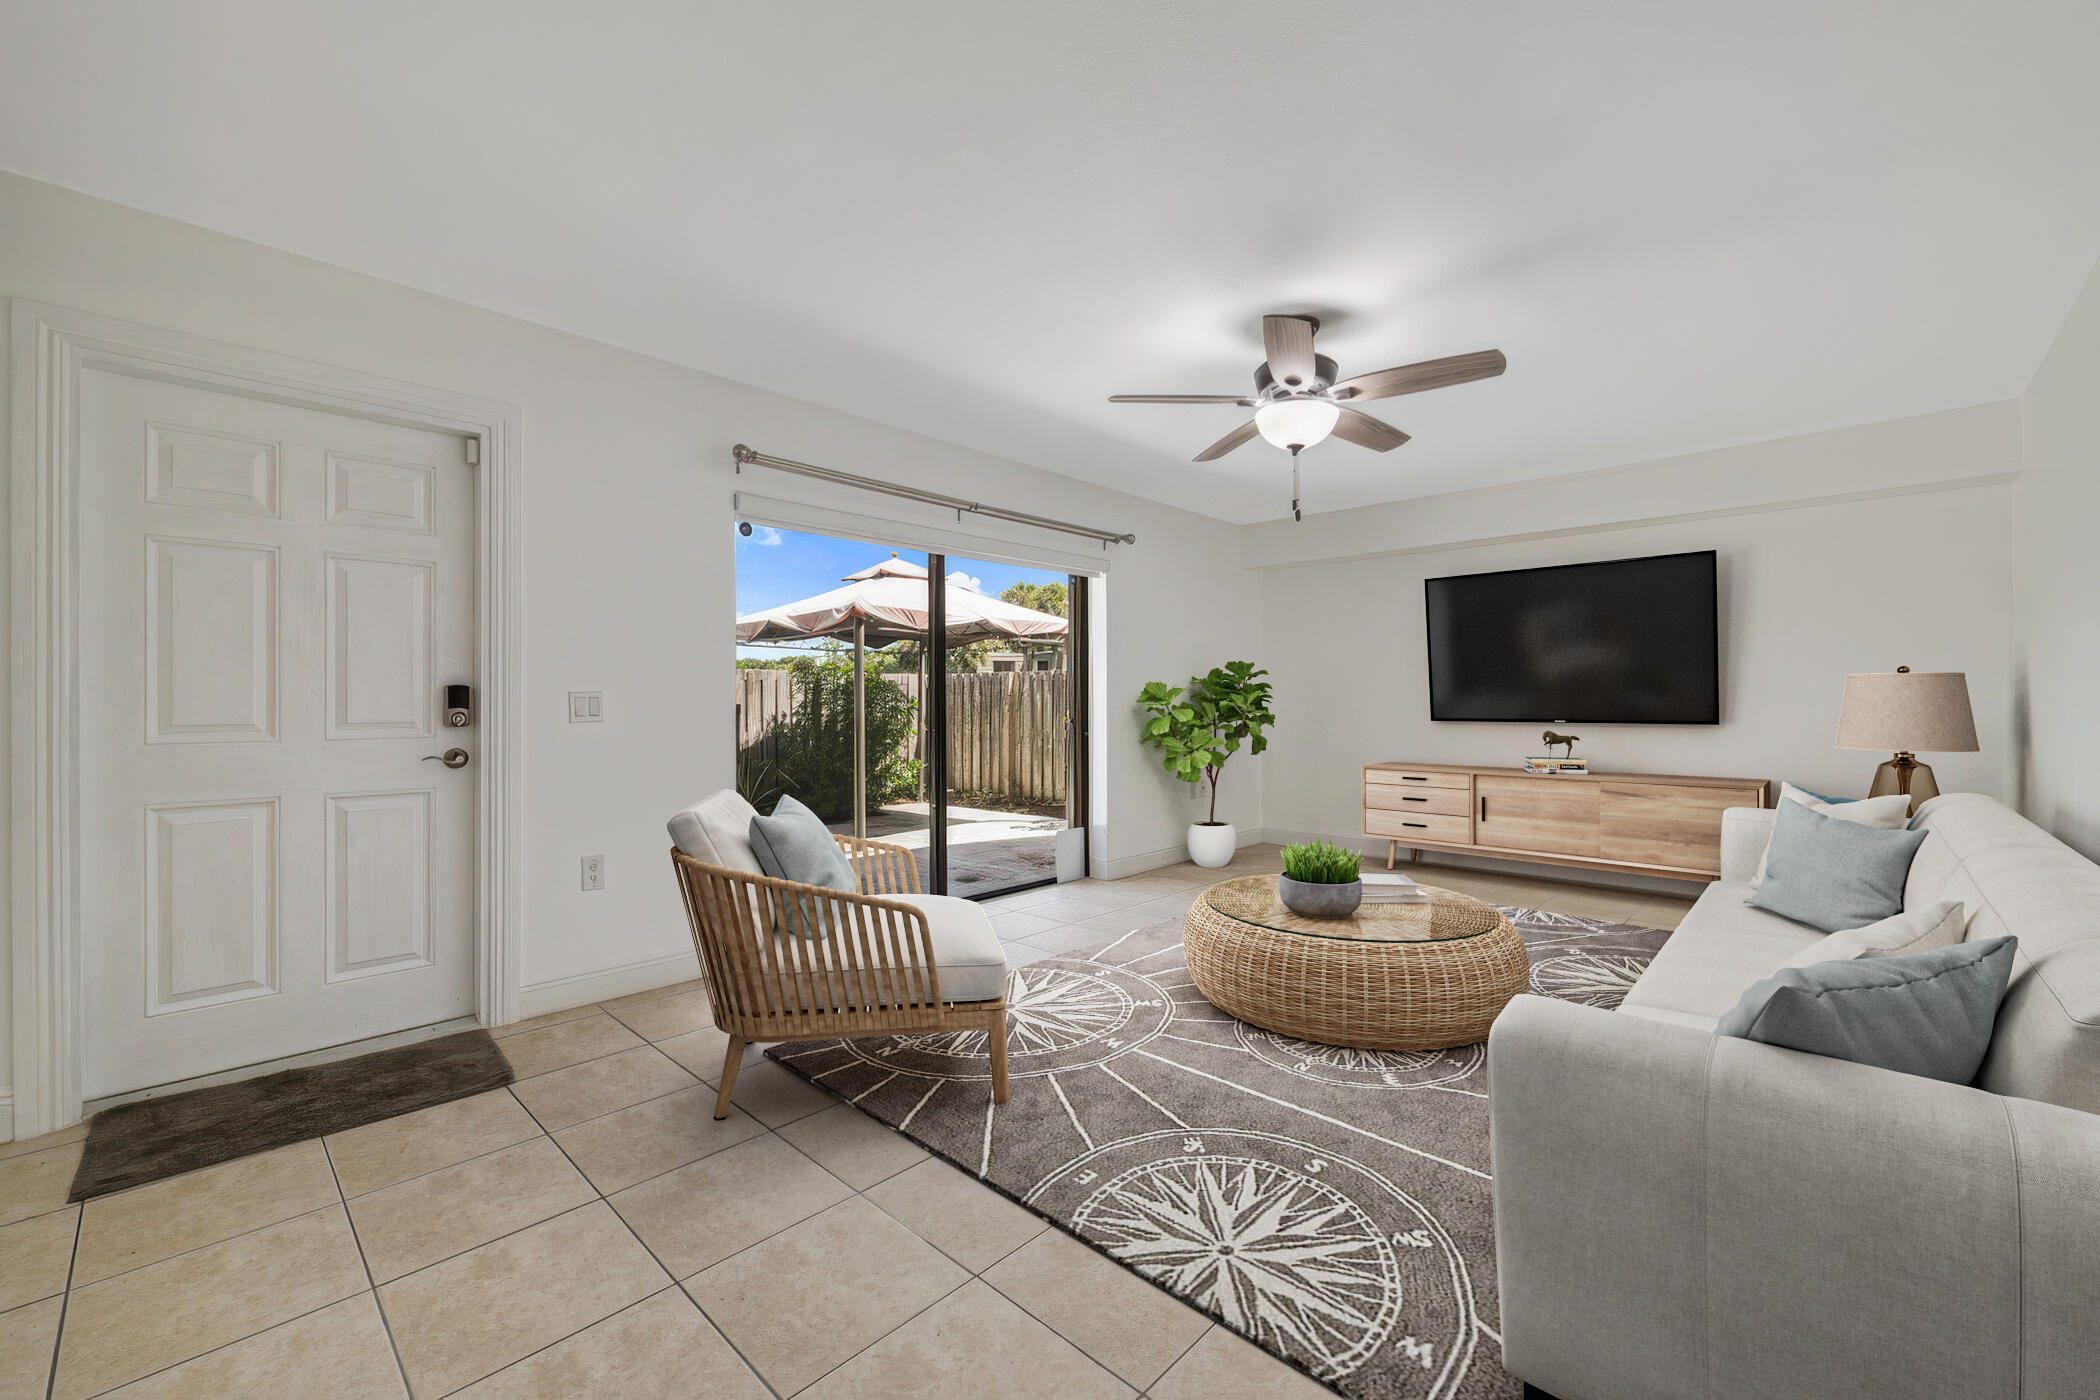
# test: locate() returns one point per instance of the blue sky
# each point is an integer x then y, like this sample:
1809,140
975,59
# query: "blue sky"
782,566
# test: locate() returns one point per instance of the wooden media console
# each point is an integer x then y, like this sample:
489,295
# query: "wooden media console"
1647,823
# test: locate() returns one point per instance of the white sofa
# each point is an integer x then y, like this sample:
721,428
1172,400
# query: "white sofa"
1679,1214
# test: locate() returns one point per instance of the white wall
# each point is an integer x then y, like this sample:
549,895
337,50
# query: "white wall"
629,572
1906,559
2059,546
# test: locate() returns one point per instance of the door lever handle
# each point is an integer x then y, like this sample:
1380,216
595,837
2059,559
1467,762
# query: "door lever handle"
451,758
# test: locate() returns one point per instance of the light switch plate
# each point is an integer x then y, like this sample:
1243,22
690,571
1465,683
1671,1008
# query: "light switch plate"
586,707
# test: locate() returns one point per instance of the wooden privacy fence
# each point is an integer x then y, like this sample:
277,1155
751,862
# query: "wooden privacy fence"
1006,729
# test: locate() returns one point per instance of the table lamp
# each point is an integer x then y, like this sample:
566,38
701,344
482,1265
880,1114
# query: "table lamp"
1907,710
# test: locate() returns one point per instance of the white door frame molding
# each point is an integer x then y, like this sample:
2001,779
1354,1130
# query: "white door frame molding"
51,347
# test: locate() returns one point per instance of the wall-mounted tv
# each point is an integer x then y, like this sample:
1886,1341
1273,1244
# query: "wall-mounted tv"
1627,641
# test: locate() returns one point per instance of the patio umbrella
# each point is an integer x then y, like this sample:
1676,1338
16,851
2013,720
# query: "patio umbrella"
888,602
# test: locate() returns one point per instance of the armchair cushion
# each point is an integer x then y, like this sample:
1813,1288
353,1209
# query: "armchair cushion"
966,947
794,844
717,829
966,953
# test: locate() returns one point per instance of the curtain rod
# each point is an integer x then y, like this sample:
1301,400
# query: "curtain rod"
746,457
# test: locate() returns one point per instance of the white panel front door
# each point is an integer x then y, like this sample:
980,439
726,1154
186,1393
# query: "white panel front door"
271,602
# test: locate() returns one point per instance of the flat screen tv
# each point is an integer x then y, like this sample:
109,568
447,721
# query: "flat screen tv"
1629,641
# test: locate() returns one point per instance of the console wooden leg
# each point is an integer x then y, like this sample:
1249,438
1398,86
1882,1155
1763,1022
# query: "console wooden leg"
731,1063
1392,848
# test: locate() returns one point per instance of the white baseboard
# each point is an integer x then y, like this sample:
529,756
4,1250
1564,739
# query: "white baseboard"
564,992
7,1113
1137,863
1573,875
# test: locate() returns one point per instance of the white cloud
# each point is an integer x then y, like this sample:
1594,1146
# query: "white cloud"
764,536
969,581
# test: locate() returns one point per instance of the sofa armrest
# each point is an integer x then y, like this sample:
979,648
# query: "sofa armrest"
1745,832
1685,1214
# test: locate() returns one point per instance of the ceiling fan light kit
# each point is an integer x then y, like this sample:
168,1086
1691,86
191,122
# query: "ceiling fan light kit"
1297,422
1299,400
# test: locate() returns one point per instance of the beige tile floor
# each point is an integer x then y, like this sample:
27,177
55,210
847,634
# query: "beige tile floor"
593,1231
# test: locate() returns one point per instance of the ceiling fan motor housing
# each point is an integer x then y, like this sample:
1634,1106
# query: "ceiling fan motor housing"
1325,373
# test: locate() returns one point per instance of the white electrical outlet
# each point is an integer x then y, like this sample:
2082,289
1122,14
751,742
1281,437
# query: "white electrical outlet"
594,872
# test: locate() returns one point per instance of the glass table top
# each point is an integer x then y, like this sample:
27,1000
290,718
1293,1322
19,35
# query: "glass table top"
1444,917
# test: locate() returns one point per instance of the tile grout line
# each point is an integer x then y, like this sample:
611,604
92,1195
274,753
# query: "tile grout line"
208,1244
65,1305
371,1284
1180,1357
669,1273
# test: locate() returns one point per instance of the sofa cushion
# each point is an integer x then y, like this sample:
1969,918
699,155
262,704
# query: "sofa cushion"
1928,1014
1721,946
717,830
1883,813
1918,930
1832,874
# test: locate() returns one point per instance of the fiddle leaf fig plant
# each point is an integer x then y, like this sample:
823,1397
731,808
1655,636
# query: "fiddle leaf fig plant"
1198,726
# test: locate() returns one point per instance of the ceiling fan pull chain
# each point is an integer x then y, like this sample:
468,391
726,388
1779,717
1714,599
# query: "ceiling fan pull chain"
1296,514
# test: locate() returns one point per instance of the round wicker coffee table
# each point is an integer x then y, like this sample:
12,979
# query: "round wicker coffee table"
1417,976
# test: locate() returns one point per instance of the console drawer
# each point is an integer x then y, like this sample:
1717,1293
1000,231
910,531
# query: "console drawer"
1444,802
1422,826
1417,778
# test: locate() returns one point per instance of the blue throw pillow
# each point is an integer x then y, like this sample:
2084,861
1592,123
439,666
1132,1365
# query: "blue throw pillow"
794,844
1831,874
1928,1014
1826,797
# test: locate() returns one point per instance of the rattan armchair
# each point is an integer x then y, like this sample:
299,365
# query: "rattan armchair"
871,973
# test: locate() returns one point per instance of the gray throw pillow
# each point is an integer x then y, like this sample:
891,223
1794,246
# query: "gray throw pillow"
794,844
1831,874
1927,1014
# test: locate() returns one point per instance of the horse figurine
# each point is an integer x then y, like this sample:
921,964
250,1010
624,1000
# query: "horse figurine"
1554,741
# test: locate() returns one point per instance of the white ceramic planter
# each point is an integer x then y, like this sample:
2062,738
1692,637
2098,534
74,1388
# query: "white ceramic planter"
1212,846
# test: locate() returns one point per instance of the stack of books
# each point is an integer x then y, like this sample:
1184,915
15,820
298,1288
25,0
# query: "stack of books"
1549,764
1381,888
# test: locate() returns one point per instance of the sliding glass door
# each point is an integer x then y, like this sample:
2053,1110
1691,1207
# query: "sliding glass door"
1006,777
927,701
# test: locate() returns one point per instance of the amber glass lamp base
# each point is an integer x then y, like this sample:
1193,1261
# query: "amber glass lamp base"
1903,773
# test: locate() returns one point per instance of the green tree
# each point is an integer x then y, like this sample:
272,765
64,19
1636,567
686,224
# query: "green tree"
1043,597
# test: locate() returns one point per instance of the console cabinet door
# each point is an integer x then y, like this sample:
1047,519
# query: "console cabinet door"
1536,814
1668,823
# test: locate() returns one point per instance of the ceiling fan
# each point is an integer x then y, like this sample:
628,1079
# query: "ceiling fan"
1298,400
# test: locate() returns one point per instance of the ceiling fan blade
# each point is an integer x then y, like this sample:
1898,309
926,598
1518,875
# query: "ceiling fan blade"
1366,431
1238,437
1241,399
1289,343
1429,374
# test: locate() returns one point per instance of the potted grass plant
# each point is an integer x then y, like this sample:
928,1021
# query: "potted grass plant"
1321,880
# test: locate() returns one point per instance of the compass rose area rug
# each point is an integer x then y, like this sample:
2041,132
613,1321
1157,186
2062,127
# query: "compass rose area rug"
1330,1205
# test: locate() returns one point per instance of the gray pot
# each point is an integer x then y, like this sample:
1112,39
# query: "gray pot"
1320,901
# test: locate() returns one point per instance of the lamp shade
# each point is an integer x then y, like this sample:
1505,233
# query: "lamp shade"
1907,712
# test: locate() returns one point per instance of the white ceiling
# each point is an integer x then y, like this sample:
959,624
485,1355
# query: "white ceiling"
1689,225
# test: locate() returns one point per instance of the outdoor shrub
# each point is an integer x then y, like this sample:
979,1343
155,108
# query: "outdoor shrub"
1322,863
813,748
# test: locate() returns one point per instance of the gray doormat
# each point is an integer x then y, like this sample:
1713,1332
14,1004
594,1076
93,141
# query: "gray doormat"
135,1143
1330,1205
